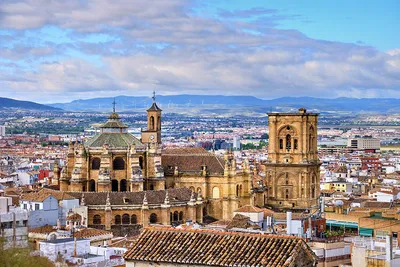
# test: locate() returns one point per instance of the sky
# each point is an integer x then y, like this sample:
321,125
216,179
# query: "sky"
58,51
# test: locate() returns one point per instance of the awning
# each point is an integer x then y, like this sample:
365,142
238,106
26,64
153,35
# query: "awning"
334,223
366,232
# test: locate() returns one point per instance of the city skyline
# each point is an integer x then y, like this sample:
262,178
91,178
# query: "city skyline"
58,52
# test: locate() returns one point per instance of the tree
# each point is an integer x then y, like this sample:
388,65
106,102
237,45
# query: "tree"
20,257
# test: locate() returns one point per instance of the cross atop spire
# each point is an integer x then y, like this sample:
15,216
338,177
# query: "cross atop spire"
154,96
114,103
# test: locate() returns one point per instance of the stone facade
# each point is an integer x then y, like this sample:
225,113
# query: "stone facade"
292,169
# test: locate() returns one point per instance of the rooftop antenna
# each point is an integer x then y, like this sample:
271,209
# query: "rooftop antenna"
114,105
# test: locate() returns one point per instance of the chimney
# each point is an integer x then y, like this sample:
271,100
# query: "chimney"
289,222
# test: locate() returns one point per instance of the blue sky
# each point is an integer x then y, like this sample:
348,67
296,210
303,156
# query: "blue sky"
59,51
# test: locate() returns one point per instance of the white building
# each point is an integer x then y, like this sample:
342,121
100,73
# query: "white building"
2,130
13,224
387,195
364,143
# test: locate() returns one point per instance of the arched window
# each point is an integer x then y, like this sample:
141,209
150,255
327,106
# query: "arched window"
237,190
151,123
295,144
117,219
199,191
141,163
313,192
287,193
287,179
288,142
123,185
114,185
133,219
176,216
118,164
96,219
95,163
280,144
92,185
215,192
151,186
171,217
158,123
181,216
310,139
192,188
125,219
153,218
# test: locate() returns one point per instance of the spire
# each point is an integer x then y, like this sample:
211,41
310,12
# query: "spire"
114,103
145,202
166,200
154,96
83,200
108,203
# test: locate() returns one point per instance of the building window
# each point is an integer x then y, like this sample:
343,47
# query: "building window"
176,216
295,144
114,185
288,142
287,193
280,143
151,123
118,164
95,163
92,185
153,218
117,219
181,216
133,219
123,185
37,206
125,219
25,206
96,219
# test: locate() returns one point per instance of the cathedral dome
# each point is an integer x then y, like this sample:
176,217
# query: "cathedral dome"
114,133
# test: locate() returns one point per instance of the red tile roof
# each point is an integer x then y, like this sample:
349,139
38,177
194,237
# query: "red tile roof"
206,247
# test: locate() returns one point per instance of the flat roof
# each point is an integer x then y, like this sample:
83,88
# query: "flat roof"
63,240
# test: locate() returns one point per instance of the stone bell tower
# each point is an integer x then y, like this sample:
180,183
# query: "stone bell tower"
292,168
153,132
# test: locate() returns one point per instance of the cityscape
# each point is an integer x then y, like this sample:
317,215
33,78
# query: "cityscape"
186,133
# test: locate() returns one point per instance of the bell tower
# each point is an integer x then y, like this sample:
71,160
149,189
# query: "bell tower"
292,168
153,132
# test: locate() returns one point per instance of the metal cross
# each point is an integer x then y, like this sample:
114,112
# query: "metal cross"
114,105
154,96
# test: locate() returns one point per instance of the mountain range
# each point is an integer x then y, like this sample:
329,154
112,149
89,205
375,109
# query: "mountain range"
217,104
9,103
181,103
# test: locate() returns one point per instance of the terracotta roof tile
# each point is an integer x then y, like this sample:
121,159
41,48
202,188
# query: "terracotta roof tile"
249,209
206,247
90,232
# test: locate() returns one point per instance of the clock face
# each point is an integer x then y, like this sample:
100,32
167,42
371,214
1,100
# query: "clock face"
151,137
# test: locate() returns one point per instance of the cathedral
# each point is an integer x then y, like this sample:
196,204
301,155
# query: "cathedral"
125,180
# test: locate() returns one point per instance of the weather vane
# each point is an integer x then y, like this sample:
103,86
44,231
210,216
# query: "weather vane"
114,105
154,96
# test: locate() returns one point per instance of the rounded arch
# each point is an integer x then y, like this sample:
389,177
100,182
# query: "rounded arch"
123,185
176,216
192,189
117,219
151,123
153,218
114,185
141,162
125,219
199,191
96,163
181,216
97,219
92,185
158,123
118,164
215,192
133,219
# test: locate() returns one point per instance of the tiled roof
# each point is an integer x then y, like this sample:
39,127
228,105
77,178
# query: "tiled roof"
191,159
74,217
43,229
154,107
90,232
249,209
45,193
135,198
206,247
113,140
375,204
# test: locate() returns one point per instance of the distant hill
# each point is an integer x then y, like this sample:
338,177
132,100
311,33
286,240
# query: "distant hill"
182,103
8,103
